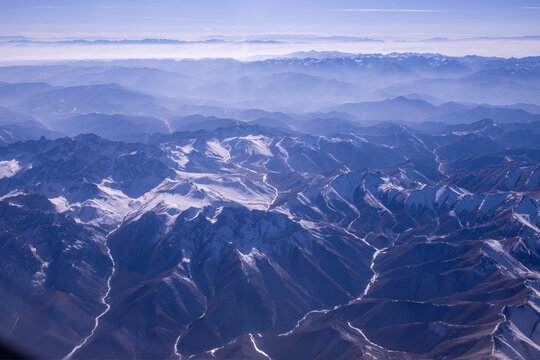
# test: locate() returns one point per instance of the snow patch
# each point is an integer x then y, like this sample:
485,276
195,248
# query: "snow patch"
9,168
255,144
39,277
257,348
12,193
60,203
216,149
525,220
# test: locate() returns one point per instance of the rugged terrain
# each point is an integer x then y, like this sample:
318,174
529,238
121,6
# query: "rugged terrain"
257,242
313,206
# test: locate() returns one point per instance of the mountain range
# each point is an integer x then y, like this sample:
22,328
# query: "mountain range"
251,242
277,209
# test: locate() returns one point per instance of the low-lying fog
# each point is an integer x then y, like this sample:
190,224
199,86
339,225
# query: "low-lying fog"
243,50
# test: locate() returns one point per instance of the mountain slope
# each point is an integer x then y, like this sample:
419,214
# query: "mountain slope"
247,241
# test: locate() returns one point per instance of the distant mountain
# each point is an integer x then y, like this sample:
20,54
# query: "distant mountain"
476,90
533,109
307,83
107,98
317,54
417,110
269,122
327,126
283,88
526,75
16,126
396,109
199,122
13,93
10,117
142,79
482,112
112,127
254,114
30,73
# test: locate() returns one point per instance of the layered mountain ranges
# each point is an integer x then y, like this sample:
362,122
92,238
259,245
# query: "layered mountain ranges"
297,84
316,93
309,206
249,241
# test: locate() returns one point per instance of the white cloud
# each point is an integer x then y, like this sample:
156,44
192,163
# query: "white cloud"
179,19
127,7
392,10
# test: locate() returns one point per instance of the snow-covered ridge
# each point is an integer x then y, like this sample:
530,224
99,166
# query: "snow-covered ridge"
272,206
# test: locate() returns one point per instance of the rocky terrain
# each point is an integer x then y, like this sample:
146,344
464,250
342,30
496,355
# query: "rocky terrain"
249,241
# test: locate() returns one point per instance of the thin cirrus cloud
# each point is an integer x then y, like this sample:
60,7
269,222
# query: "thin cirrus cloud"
204,20
127,7
392,10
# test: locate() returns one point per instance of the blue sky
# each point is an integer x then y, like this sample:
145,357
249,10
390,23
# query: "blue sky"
183,18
